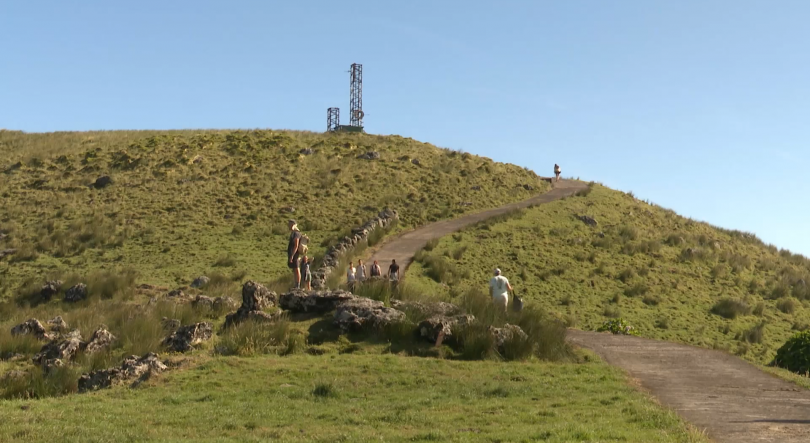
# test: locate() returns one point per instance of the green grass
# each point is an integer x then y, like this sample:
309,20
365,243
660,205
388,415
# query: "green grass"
356,398
670,277
186,203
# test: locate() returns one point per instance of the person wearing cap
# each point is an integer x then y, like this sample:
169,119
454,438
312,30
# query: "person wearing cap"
292,252
499,288
557,171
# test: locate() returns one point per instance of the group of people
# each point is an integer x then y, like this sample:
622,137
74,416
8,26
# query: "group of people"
355,275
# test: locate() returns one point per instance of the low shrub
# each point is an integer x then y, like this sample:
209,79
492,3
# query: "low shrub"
787,305
794,355
617,326
755,334
759,309
731,308
637,289
431,244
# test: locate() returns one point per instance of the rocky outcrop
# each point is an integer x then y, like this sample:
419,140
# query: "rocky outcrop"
200,281
224,303
318,301
32,327
255,297
49,289
169,324
203,301
365,313
330,260
438,325
590,221
185,338
100,340
133,368
56,353
58,324
426,309
506,333
306,151
76,293
370,155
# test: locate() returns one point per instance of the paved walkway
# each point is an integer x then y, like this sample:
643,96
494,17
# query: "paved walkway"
730,399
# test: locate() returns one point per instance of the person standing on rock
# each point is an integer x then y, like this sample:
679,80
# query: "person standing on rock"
292,252
351,276
499,288
306,273
376,271
557,171
361,272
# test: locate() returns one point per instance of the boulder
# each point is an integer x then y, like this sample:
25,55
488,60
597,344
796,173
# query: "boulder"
176,293
427,309
63,351
203,301
224,304
33,327
439,325
590,221
102,182
507,332
255,296
169,324
370,155
365,313
200,281
76,293
100,340
319,301
416,162
306,151
49,289
58,324
186,337
528,187
132,368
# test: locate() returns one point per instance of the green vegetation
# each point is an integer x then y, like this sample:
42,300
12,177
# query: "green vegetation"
184,202
794,355
669,277
356,397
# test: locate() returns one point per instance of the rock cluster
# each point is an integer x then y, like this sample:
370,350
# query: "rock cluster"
200,281
218,304
365,313
433,327
306,151
255,297
76,293
132,368
49,289
100,340
507,332
56,353
185,338
58,324
332,256
317,302
590,221
370,155
33,327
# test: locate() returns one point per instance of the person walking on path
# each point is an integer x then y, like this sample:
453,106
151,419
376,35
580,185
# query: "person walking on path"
361,271
351,276
393,273
375,270
292,252
557,171
306,273
499,288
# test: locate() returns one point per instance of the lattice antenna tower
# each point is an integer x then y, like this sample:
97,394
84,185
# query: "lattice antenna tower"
332,119
356,95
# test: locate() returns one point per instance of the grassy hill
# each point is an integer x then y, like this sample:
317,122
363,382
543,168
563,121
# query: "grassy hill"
670,277
184,203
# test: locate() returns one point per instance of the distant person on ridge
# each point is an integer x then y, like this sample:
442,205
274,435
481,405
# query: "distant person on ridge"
292,252
557,171
393,273
360,274
499,288
306,273
376,271
351,276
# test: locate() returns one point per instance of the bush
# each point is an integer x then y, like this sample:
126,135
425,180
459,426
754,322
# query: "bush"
759,309
626,275
431,244
651,300
787,305
755,334
794,355
639,288
617,326
731,308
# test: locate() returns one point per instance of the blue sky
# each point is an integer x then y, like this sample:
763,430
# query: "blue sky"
701,106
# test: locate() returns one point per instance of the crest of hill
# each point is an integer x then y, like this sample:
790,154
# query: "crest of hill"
181,202
670,277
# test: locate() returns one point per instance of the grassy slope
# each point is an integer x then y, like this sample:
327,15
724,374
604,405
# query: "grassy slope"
171,219
380,398
558,261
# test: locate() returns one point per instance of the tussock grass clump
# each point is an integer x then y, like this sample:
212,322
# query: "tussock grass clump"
731,308
637,289
22,344
251,338
35,383
787,305
324,390
755,334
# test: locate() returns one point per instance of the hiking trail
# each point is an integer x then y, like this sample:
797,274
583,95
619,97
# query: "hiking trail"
729,398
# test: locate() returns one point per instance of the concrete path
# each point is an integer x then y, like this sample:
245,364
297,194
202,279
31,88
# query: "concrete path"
730,399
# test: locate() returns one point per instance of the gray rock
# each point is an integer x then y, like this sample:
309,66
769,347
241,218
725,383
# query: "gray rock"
416,162
100,340
242,315
49,289
224,303
590,221
432,327
306,151
102,182
185,338
169,324
319,301
176,293
76,293
364,313
200,281
203,301
424,309
64,350
33,327
256,297
58,324
132,368
370,155
506,333
528,187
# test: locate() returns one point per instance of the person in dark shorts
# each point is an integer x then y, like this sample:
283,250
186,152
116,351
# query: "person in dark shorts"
306,273
393,273
292,252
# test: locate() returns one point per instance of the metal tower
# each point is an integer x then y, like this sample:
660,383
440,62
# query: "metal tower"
356,102
332,119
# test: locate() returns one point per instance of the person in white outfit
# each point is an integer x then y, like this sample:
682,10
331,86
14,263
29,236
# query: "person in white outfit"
351,276
499,288
360,274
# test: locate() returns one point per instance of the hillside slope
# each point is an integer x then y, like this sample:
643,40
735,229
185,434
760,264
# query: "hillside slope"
182,202
670,277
